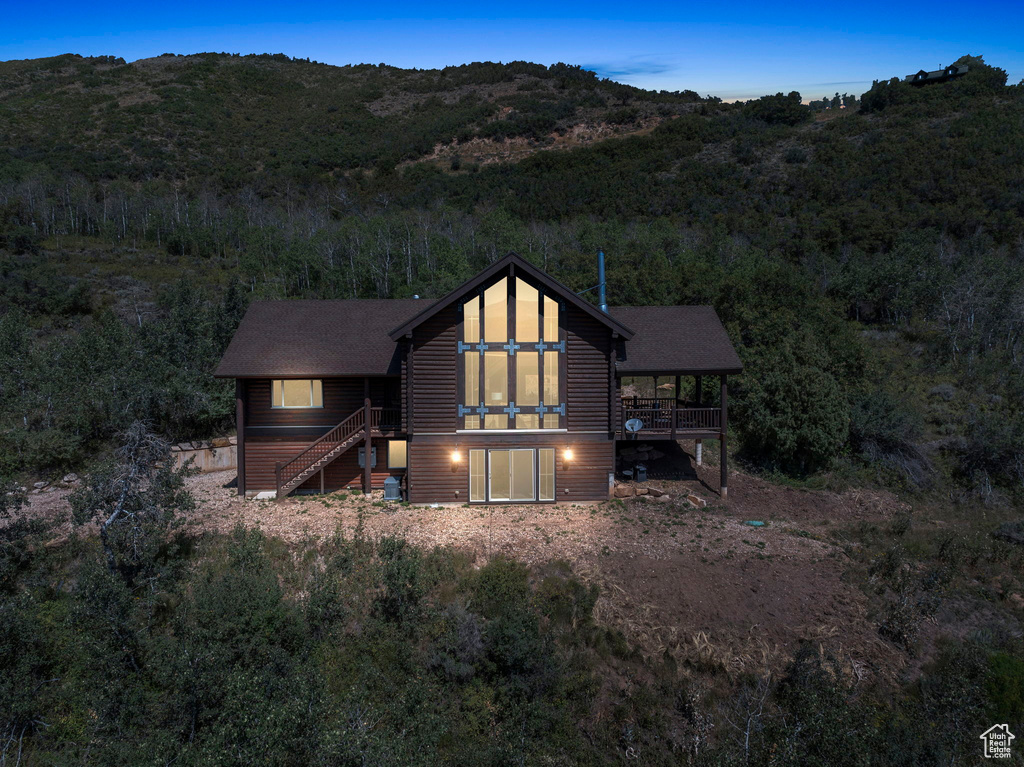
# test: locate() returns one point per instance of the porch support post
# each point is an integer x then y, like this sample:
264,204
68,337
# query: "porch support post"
722,440
699,443
367,431
679,385
240,439
672,413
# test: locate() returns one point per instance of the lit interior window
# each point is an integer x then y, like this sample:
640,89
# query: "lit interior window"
546,474
398,455
297,393
526,374
476,475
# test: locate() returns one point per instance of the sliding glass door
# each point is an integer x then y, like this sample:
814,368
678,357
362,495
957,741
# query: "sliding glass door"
515,474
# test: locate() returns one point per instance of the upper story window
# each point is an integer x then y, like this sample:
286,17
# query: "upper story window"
297,393
513,352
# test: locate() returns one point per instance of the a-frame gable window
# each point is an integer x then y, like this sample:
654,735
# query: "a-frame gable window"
512,355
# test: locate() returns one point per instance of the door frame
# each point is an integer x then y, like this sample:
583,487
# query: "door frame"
490,474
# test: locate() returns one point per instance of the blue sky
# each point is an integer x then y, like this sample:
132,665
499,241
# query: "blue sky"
730,49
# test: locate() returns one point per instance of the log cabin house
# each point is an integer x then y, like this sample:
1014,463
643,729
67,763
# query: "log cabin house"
506,390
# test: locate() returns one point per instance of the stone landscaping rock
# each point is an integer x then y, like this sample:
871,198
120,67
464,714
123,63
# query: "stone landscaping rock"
661,498
641,489
70,479
656,492
697,501
40,485
624,491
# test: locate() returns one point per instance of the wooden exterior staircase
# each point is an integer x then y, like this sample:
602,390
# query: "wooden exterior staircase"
293,473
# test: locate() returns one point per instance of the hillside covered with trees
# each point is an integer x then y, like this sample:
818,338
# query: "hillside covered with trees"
867,260
135,194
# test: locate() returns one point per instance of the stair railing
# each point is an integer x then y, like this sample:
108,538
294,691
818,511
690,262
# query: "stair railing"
289,470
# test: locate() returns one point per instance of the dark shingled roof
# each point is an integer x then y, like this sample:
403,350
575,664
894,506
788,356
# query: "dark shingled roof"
685,340
317,338
322,339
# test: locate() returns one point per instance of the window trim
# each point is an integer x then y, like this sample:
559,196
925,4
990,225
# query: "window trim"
405,442
485,454
558,347
282,406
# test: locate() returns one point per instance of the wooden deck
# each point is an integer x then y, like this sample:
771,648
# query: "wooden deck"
669,418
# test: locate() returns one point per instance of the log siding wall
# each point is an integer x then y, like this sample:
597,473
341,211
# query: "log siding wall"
436,369
434,374
279,434
587,372
434,478
261,454
342,397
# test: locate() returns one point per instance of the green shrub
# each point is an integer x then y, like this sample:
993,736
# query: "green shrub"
1005,687
883,431
402,579
778,109
793,413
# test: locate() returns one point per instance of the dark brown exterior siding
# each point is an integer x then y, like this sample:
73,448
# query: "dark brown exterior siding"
279,434
261,454
435,365
587,372
342,397
432,478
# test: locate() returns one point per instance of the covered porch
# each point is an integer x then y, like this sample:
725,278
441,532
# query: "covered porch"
671,414
674,414
671,380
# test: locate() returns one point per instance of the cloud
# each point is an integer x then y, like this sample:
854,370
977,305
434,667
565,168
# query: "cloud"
631,68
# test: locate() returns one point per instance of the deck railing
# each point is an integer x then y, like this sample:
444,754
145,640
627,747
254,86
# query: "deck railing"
386,419
666,416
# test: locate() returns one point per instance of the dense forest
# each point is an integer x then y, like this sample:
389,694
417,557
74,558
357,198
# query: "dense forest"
142,204
867,260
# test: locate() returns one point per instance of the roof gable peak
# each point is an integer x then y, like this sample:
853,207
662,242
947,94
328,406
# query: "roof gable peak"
510,263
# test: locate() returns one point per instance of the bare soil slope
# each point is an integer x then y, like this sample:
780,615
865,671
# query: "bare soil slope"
700,584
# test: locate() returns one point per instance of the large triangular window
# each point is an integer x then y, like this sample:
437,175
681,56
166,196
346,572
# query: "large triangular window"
512,358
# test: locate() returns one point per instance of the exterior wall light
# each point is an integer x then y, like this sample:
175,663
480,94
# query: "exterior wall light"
567,454
456,456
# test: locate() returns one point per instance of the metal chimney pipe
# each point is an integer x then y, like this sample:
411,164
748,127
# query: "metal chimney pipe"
601,297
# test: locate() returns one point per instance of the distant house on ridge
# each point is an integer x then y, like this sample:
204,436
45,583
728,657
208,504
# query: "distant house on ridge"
938,76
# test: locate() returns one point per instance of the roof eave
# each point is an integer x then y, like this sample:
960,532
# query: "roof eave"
495,268
681,372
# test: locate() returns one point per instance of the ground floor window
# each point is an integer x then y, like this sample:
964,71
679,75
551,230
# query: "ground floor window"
514,474
397,454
